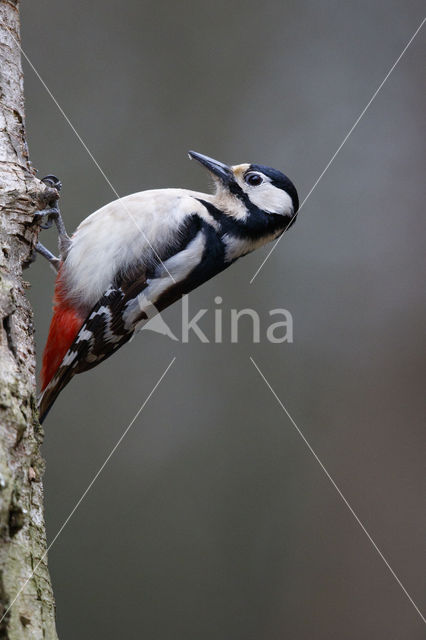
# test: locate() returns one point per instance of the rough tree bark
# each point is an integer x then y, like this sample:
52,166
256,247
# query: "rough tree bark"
22,530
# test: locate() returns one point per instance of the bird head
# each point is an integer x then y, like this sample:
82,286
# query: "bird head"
253,185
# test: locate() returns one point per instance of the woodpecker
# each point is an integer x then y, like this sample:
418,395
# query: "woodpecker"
144,252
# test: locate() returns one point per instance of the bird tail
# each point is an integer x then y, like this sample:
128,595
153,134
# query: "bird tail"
49,394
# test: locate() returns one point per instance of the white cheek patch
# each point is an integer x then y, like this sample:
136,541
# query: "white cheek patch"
229,204
271,199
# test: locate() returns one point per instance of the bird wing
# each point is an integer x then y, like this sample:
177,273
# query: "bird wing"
101,334
125,304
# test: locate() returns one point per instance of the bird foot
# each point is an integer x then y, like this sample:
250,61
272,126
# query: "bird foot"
52,181
46,217
51,214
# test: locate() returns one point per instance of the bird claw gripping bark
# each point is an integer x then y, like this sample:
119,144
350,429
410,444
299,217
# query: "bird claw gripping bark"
50,212
52,181
46,217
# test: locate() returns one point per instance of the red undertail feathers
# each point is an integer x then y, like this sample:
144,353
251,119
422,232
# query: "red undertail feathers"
64,327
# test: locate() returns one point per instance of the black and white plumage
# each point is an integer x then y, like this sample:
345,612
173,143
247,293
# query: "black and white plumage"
141,253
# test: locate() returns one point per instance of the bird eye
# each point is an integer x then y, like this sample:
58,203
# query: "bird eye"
253,179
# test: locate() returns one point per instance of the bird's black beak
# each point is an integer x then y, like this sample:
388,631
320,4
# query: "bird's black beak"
219,169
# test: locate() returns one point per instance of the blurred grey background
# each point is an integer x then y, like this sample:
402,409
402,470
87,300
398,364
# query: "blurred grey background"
212,519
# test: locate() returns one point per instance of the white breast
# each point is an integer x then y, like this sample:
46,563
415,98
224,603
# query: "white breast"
122,234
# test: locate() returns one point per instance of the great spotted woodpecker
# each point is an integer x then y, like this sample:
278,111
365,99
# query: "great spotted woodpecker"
145,251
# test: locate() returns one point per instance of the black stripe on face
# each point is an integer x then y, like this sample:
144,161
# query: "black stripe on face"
279,180
282,222
257,225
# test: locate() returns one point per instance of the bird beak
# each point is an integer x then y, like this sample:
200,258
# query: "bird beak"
218,169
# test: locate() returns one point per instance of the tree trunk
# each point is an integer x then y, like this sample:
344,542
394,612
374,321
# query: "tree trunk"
22,530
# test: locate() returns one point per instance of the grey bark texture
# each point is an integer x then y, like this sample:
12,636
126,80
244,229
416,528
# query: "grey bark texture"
22,529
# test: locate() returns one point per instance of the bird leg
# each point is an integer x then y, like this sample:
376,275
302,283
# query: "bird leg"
47,217
43,251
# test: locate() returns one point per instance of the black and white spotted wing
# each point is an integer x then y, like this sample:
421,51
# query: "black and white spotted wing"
100,336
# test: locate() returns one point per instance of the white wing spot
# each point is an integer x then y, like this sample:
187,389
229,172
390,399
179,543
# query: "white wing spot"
84,334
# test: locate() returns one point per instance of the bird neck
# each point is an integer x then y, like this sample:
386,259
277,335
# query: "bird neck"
246,220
